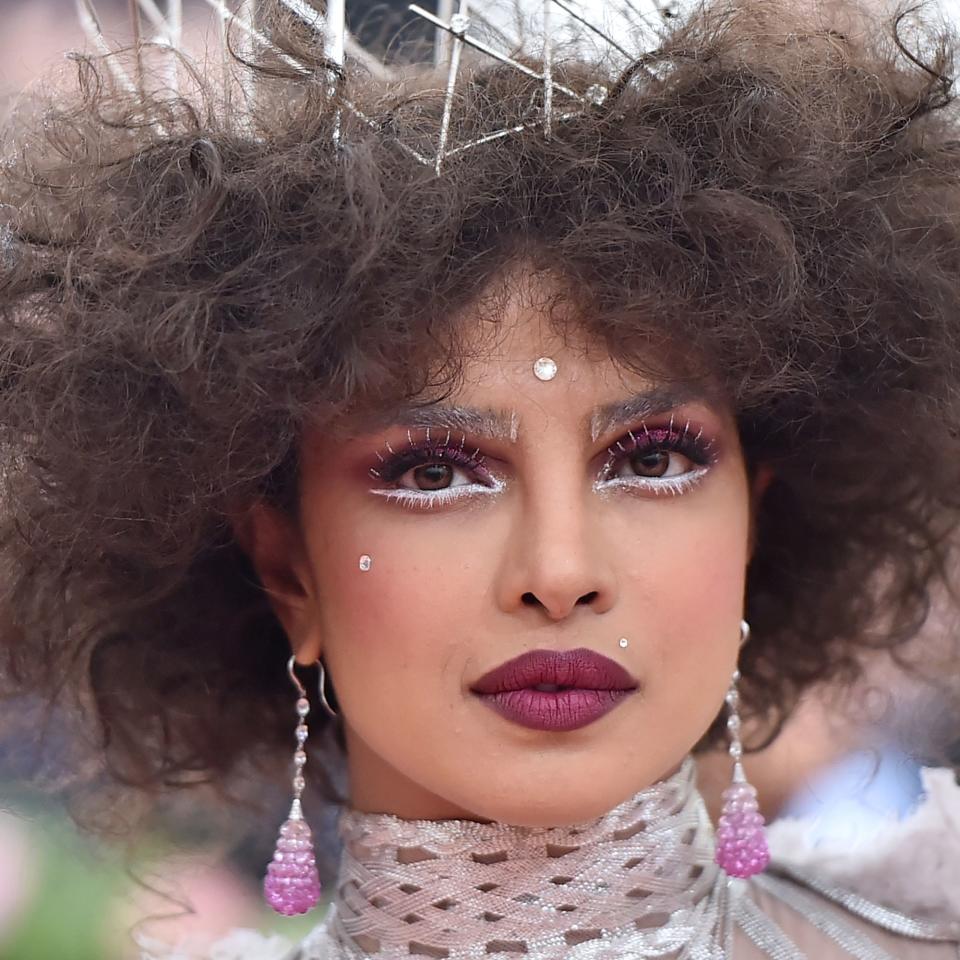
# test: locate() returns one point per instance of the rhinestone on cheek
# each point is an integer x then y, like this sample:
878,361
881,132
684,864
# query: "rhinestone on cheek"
366,563
545,368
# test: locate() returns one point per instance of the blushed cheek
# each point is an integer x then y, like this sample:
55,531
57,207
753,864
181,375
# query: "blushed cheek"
402,608
359,605
365,608
698,596
717,589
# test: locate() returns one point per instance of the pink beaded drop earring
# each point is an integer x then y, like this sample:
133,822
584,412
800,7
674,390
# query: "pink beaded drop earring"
292,884
741,842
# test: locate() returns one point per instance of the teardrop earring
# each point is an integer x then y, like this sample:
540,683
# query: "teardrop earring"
292,883
742,849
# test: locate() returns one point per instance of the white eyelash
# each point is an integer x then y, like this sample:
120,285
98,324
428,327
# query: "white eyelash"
435,498
672,486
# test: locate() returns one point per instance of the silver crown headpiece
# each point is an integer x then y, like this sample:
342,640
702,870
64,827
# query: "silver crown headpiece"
453,34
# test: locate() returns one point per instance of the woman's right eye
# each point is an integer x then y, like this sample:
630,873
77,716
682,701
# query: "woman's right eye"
427,474
431,476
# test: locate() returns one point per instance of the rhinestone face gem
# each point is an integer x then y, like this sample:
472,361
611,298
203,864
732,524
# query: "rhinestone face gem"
623,641
545,368
366,563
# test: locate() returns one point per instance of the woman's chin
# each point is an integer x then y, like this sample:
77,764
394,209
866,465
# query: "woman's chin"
553,801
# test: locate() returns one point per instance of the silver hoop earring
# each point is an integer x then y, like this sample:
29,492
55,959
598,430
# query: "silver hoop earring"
323,697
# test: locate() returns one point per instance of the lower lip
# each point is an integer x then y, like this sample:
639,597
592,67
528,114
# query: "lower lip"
557,711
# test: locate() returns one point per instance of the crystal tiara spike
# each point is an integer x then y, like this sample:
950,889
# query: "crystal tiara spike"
329,25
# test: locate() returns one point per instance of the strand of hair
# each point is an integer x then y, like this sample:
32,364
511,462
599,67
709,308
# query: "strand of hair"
251,31
373,125
314,19
635,15
490,52
591,27
90,23
504,38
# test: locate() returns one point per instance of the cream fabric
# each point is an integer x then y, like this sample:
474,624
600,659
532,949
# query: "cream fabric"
819,946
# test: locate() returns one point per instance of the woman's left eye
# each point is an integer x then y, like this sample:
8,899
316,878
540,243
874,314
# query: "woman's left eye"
662,459
655,464
436,475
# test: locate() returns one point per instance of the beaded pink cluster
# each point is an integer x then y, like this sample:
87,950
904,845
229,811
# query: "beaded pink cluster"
292,883
741,842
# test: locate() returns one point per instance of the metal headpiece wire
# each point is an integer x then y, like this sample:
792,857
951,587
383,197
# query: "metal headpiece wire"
453,36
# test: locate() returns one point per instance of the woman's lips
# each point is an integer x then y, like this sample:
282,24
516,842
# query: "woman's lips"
581,686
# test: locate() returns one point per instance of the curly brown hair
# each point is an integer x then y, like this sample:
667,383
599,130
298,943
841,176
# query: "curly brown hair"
182,293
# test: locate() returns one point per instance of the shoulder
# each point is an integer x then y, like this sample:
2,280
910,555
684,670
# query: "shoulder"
899,893
787,917
912,865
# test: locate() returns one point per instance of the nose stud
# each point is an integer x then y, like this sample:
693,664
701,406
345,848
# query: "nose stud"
366,563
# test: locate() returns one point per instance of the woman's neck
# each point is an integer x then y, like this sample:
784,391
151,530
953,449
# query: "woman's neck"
445,888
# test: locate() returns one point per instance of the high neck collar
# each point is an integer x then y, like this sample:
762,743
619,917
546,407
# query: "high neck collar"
459,888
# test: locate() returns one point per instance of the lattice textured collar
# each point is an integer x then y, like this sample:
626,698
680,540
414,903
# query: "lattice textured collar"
637,882
641,874
641,882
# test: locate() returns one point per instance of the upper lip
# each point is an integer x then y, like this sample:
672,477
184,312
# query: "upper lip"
580,668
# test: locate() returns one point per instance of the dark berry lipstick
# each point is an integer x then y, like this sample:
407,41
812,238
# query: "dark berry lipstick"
555,690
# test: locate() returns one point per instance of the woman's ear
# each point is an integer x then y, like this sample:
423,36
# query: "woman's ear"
272,541
761,479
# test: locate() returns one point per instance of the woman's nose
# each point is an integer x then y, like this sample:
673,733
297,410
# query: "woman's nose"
556,607
556,560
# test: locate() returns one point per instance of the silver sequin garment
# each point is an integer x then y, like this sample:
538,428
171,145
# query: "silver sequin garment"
638,882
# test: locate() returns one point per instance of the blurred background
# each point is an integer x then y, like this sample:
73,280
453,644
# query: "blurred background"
850,759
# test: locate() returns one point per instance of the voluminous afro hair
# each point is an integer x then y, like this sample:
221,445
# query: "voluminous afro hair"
187,285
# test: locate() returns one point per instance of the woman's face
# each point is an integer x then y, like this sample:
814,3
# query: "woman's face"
519,514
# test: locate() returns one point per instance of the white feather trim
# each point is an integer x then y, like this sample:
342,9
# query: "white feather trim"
912,865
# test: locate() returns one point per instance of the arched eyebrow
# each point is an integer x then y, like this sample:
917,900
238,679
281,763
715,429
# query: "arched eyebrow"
504,425
649,403
501,425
